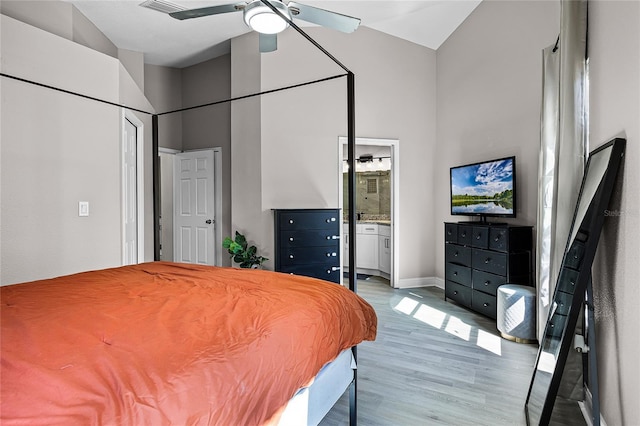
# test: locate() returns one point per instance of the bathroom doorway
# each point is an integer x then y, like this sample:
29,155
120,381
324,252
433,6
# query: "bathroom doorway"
377,204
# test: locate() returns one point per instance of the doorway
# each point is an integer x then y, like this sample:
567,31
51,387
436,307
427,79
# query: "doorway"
377,204
132,189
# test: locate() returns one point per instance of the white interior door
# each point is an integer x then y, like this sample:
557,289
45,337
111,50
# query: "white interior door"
194,204
130,193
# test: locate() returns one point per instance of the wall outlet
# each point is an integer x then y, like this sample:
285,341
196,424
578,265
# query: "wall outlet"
83,208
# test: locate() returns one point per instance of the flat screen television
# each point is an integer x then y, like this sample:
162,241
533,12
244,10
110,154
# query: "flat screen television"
485,189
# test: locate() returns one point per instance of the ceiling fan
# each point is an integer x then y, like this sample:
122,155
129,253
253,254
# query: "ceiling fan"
262,19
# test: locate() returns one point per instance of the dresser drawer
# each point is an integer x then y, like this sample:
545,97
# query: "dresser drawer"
303,255
499,239
554,328
567,280
450,233
458,254
458,273
480,237
574,256
563,302
328,272
457,292
489,261
307,238
465,232
487,282
510,238
294,220
484,303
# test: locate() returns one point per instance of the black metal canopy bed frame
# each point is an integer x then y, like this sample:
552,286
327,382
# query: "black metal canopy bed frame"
350,87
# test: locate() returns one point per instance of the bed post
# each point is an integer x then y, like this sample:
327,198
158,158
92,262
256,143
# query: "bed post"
351,185
156,186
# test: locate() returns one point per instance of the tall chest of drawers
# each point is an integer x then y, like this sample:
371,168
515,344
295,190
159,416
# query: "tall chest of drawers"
307,242
480,258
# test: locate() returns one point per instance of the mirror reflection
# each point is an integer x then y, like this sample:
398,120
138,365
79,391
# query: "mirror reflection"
572,281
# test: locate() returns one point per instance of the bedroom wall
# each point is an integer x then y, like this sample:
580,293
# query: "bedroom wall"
210,127
300,130
614,57
494,110
489,96
59,149
163,88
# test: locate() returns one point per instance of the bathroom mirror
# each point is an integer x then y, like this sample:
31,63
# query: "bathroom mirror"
575,273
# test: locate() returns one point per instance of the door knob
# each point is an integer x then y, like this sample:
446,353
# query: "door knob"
208,222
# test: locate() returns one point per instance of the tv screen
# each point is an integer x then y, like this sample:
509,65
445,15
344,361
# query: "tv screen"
484,189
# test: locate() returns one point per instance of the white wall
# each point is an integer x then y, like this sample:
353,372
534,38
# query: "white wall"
298,139
614,56
58,149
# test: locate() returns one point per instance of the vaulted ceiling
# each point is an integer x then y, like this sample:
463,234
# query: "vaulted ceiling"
170,42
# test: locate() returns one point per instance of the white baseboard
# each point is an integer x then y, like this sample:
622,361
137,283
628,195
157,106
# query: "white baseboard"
420,282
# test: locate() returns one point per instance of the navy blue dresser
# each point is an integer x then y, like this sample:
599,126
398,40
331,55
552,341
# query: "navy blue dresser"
307,242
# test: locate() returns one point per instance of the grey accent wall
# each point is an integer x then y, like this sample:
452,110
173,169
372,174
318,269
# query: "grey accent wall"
614,57
210,127
163,88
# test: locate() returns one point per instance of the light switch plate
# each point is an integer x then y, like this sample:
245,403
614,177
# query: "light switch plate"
83,208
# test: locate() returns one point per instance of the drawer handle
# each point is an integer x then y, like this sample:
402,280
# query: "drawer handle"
455,292
455,273
496,239
290,256
290,238
478,236
486,305
464,234
290,220
487,260
328,220
486,283
455,254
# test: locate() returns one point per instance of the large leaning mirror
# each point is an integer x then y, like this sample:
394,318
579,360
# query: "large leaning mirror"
575,274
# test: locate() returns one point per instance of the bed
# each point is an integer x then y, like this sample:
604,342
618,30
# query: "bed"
169,343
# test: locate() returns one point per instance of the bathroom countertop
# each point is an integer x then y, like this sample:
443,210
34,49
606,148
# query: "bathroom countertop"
378,221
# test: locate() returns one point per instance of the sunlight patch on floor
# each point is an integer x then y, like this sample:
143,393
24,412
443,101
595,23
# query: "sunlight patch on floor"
490,342
449,323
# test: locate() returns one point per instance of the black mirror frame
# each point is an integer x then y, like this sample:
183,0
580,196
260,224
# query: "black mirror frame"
569,294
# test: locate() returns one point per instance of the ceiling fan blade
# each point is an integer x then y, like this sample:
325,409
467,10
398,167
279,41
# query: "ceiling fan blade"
326,18
206,11
268,42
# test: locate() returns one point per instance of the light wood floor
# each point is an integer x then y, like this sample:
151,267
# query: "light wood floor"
435,363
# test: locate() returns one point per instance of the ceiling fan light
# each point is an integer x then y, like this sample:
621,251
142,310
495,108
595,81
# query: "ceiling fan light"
264,20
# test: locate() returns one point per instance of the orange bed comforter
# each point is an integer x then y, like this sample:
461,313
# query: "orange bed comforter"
167,343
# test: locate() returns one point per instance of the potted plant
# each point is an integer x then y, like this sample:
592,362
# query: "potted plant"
243,253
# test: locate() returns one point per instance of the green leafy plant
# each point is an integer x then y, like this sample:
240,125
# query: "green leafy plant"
243,253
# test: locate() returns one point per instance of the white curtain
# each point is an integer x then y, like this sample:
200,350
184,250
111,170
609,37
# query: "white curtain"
563,146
